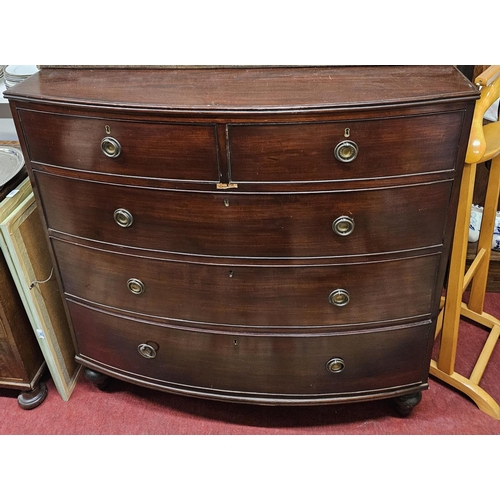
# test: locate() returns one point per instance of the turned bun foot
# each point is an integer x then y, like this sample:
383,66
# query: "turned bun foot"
405,404
31,399
100,380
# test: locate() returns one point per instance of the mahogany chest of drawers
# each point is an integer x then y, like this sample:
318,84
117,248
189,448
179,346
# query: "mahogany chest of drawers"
261,235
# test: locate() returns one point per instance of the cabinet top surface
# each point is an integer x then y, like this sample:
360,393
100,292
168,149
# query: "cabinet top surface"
245,88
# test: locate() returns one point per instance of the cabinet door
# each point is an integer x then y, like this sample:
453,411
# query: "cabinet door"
26,251
20,356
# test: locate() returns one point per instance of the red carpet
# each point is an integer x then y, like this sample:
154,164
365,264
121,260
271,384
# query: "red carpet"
127,409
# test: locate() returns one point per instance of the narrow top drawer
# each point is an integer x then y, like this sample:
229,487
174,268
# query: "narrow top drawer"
373,148
147,149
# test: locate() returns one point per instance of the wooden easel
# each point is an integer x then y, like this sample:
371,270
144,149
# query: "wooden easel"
484,145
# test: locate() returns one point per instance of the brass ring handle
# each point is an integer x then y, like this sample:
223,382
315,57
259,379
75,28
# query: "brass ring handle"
343,225
111,147
346,151
123,217
147,351
339,297
136,286
335,365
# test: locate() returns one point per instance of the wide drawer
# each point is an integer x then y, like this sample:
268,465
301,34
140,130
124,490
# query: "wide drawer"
306,152
250,294
270,225
247,365
159,150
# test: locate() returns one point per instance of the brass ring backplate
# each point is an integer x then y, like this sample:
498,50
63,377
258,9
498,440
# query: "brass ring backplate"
346,151
335,365
136,286
111,147
123,217
339,297
343,225
147,351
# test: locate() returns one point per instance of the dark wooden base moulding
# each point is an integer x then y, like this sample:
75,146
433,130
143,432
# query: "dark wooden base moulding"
404,399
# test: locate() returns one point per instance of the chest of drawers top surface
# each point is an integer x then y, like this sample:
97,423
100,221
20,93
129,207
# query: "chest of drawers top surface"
246,89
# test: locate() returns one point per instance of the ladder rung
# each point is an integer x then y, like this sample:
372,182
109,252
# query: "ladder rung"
485,355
